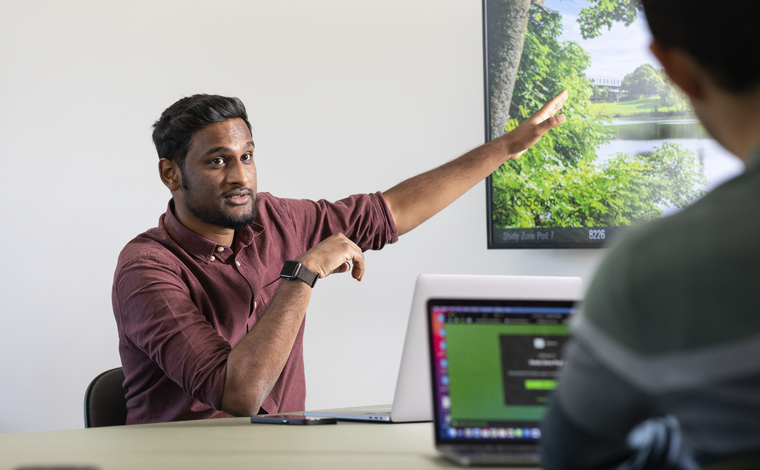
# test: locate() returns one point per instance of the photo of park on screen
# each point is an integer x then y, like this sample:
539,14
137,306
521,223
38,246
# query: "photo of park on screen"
630,150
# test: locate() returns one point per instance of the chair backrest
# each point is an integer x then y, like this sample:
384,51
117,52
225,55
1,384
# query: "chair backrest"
105,401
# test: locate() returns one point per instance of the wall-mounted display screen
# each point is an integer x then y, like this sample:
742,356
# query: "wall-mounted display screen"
631,149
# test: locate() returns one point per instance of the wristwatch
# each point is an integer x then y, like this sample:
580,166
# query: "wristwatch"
295,270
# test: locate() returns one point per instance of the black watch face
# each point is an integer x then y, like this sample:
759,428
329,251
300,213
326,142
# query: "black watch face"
290,269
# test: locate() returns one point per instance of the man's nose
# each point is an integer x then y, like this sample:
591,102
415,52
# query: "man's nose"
238,172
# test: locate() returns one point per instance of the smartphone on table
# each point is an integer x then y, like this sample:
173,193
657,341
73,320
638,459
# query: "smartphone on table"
292,419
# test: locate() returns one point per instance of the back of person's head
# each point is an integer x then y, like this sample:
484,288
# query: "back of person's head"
723,37
174,129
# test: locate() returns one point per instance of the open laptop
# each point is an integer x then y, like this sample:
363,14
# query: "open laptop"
493,365
412,398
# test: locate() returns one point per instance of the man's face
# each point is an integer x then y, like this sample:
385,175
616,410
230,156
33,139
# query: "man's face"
218,179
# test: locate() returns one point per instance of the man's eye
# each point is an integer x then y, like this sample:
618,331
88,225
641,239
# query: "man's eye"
217,161
247,157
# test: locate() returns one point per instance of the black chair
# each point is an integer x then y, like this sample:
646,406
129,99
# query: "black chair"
105,401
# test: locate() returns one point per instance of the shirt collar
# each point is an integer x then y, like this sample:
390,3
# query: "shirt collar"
202,247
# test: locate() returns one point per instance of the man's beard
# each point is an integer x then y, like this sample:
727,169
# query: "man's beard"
217,216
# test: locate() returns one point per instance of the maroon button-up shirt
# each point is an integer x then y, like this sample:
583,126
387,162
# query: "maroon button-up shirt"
182,302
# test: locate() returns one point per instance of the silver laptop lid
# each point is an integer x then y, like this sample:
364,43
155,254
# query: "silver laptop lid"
494,364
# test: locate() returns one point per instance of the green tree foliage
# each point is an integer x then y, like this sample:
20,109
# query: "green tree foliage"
649,81
606,12
672,97
547,67
624,190
600,93
644,81
557,182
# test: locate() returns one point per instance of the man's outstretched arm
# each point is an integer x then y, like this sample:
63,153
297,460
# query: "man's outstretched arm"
415,200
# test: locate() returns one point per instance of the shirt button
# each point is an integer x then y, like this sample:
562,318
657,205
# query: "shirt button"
220,249
238,263
213,258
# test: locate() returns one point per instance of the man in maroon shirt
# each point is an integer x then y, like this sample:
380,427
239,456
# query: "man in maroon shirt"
210,304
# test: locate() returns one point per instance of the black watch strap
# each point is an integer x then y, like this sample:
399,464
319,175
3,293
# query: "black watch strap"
295,270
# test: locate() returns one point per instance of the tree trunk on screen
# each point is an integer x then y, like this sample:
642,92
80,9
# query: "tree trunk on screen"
506,25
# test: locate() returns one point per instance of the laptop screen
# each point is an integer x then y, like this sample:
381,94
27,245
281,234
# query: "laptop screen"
494,364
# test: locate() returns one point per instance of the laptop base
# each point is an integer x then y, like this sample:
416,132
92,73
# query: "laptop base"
375,413
480,458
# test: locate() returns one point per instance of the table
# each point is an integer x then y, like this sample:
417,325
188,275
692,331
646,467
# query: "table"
229,443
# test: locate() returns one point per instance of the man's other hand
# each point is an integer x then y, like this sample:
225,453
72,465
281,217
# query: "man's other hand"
334,254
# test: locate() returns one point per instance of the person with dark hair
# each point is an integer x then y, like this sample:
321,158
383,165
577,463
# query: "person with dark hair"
663,368
210,304
174,129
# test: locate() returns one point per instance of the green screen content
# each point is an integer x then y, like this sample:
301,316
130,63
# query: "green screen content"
501,371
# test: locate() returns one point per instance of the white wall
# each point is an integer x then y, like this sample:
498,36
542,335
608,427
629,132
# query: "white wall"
344,96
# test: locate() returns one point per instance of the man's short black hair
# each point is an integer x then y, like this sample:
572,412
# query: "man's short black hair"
723,37
176,126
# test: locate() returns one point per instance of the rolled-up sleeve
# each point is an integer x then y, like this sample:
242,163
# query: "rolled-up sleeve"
364,218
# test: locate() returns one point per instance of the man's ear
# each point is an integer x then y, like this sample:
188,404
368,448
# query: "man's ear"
170,174
682,69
